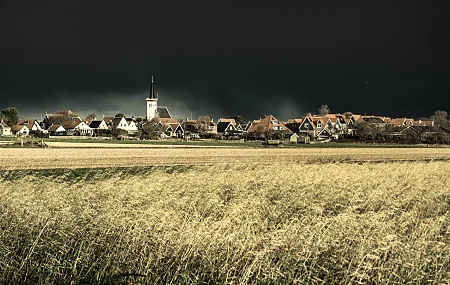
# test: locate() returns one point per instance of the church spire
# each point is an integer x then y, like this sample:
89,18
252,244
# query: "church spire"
152,90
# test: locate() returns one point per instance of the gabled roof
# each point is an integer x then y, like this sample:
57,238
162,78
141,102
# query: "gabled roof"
55,127
371,119
168,120
26,122
95,124
108,119
176,126
163,112
191,127
225,126
17,128
298,121
267,124
71,123
4,126
356,117
398,121
66,113
228,120
316,119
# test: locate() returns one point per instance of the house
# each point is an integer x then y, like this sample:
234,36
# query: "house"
268,126
71,123
294,138
400,122
337,125
127,125
191,130
402,132
353,119
32,125
83,129
315,127
171,127
60,117
212,128
226,128
108,121
24,127
99,127
5,130
57,130
20,130
293,125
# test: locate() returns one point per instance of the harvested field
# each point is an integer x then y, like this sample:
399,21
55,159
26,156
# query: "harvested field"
28,158
234,223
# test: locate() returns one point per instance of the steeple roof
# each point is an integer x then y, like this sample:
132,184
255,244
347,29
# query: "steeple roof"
152,91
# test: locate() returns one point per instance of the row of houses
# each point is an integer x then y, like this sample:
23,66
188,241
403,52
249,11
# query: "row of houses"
310,127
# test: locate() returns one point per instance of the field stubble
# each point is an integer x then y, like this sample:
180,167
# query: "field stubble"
235,222
31,158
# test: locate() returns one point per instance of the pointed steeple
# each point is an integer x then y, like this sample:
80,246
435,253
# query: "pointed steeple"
152,91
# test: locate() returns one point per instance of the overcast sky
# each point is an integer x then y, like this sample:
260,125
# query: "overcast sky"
223,58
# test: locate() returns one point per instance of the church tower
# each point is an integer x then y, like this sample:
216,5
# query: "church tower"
152,103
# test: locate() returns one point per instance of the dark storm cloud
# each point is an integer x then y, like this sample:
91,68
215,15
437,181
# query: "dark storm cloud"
225,58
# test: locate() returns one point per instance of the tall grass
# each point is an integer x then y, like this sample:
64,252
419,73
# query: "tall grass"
235,223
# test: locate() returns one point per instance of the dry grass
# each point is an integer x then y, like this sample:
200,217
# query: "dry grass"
237,222
19,158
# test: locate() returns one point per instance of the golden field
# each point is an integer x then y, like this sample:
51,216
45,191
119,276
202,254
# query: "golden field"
90,155
227,216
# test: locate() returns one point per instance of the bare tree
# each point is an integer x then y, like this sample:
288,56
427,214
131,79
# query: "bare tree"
91,116
203,123
348,114
324,110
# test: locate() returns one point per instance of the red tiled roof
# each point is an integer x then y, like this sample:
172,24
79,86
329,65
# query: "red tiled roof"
53,127
267,124
227,120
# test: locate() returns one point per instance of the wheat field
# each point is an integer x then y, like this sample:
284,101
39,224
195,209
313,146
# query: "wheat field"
314,218
145,155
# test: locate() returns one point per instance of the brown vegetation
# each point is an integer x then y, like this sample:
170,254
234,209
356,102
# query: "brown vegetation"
235,222
146,155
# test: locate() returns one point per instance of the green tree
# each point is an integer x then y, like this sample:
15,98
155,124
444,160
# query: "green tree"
119,115
10,116
151,130
240,119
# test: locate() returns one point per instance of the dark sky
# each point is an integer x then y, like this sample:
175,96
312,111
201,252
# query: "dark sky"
223,58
